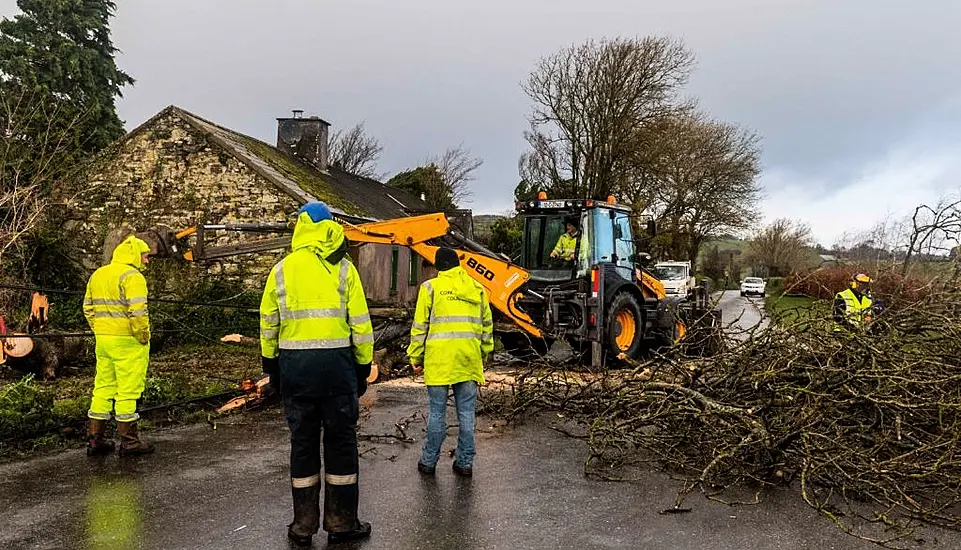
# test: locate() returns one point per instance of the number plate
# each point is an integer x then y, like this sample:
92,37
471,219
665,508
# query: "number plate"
551,204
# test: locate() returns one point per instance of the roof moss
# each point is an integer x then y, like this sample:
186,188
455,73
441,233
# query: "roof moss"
304,176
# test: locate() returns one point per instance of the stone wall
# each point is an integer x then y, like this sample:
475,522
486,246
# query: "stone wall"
168,174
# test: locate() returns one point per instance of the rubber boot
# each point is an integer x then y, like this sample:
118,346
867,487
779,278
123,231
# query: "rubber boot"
306,515
340,514
96,444
130,444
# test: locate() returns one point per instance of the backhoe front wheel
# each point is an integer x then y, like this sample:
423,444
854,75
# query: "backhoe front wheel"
625,326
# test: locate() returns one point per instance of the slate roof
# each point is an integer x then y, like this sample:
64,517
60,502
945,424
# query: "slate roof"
346,194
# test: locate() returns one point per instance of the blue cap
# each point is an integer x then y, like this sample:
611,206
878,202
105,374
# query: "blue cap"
317,211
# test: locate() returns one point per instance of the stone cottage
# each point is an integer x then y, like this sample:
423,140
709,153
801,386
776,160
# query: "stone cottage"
177,169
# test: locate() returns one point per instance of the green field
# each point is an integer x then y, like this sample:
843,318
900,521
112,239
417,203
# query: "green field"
793,310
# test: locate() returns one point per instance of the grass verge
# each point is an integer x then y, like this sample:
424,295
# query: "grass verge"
37,416
797,311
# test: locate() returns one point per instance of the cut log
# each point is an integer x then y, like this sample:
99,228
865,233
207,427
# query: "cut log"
240,339
42,356
18,346
389,312
390,332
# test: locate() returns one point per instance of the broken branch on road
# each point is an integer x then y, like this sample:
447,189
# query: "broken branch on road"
867,419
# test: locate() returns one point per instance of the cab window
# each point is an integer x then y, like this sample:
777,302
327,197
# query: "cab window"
624,242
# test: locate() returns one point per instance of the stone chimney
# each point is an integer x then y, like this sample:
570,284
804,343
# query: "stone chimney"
304,138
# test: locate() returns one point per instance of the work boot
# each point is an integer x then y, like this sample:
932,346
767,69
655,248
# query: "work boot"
425,469
340,514
306,515
361,532
96,444
130,444
465,471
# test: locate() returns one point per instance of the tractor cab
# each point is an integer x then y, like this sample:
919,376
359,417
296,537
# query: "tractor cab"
563,238
587,283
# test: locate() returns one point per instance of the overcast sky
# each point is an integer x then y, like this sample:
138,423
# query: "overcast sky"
858,102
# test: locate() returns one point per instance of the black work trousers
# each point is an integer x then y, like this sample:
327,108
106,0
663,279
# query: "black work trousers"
333,416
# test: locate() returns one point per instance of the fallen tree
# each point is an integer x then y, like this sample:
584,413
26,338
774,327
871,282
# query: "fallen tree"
871,419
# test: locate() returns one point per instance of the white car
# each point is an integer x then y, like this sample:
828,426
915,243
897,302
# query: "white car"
753,286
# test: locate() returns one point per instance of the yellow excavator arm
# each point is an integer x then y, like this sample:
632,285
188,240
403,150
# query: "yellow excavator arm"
500,278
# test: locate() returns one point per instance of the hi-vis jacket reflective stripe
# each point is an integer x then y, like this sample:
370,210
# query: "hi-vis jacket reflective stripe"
565,246
309,303
453,331
856,312
115,303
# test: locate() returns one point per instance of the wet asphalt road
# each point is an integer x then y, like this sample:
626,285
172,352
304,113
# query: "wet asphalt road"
228,488
741,315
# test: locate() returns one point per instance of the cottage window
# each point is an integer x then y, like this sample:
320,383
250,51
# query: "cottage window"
394,259
413,273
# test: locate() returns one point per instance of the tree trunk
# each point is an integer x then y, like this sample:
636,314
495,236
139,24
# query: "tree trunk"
41,356
390,332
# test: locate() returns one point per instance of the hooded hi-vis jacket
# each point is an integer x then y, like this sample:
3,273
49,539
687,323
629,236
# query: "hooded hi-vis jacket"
849,310
452,333
115,303
310,303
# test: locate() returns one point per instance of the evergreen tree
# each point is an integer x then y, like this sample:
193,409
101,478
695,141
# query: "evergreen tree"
426,181
59,81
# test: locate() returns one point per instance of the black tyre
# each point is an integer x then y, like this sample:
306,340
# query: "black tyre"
625,326
665,338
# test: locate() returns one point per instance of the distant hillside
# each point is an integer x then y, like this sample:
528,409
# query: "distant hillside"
722,244
726,243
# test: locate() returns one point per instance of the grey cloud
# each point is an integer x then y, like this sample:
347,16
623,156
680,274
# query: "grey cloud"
829,85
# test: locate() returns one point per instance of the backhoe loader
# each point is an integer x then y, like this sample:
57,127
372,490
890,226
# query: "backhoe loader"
604,301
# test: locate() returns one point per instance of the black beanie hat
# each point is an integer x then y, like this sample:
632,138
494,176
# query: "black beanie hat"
446,259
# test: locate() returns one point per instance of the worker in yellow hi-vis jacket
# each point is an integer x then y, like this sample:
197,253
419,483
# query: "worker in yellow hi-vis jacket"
317,341
115,306
450,338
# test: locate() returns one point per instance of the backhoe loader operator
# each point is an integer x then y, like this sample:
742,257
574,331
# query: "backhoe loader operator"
567,242
316,339
115,306
852,306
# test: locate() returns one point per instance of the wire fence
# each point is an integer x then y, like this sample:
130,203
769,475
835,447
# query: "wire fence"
158,314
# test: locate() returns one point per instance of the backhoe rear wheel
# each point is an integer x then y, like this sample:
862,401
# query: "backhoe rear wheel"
625,326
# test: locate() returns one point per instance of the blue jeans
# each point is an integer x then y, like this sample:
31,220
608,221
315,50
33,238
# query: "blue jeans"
465,398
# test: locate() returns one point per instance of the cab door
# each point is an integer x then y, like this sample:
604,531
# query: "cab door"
600,237
623,244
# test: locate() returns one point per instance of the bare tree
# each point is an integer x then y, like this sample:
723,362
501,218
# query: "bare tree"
591,103
699,178
782,247
457,167
933,230
37,141
930,233
354,151
30,162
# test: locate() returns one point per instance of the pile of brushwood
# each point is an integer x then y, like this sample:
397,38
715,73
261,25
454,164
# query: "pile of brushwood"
866,424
